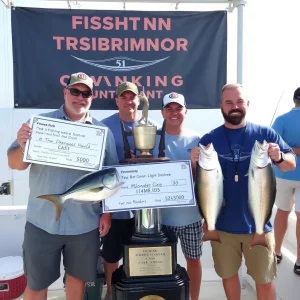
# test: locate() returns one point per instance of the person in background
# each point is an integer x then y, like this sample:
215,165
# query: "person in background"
75,234
288,183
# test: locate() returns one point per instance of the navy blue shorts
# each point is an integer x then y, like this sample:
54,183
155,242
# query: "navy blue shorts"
120,233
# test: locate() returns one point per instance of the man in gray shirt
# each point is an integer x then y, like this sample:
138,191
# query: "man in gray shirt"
75,234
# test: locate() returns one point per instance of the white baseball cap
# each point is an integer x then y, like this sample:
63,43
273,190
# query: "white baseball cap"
173,98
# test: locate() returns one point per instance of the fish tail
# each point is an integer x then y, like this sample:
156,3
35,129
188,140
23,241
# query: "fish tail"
259,239
57,199
211,235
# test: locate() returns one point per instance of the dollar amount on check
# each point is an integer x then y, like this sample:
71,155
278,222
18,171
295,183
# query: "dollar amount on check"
65,144
156,185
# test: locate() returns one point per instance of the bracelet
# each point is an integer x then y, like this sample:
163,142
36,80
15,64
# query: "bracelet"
21,149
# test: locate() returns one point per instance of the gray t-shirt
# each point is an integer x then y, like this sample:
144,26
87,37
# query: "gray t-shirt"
178,147
75,218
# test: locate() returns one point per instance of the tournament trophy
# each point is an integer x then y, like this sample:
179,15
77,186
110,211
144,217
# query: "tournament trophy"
150,270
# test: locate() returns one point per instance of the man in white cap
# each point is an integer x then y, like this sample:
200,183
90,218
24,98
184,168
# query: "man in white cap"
184,222
76,233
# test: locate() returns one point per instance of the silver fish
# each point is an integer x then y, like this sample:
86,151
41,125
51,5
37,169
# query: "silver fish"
261,190
209,189
92,187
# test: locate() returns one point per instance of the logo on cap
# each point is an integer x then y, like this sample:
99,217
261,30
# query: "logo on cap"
173,95
82,76
126,84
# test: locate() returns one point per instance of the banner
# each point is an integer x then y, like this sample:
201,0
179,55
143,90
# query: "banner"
183,52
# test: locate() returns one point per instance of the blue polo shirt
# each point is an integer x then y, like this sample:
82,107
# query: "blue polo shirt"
75,218
235,146
288,126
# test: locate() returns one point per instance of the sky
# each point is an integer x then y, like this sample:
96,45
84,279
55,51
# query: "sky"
271,56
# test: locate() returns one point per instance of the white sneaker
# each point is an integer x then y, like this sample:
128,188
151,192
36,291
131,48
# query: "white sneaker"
108,297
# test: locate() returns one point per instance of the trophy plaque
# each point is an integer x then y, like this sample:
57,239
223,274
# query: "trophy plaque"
150,270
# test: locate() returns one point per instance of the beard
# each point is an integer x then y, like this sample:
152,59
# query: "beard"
234,120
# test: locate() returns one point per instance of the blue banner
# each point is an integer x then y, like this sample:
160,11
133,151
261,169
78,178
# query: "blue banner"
183,52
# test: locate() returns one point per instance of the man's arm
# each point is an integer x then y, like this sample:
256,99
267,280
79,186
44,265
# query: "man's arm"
296,150
15,155
15,159
111,157
104,224
194,156
289,163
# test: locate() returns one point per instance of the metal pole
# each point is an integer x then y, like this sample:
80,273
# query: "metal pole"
240,40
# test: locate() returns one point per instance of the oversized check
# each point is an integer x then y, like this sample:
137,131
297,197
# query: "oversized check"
154,185
65,144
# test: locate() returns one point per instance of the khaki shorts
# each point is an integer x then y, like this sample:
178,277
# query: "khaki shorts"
288,194
260,261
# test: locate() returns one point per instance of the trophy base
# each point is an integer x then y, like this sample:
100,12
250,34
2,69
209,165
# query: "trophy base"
145,156
159,238
145,159
175,287
150,255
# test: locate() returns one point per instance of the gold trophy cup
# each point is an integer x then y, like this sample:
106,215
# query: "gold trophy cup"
144,136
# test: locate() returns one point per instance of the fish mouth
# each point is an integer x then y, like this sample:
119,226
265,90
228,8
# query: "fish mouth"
264,146
260,154
206,151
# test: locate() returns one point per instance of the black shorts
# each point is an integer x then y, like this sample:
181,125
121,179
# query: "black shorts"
42,254
120,233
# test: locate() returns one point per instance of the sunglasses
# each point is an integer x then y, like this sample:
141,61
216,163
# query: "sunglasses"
76,93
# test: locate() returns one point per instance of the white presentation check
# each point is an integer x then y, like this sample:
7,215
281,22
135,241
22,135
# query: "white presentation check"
65,144
154,185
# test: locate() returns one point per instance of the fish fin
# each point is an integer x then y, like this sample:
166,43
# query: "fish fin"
96,190
78,202
259,240
57,200
211,235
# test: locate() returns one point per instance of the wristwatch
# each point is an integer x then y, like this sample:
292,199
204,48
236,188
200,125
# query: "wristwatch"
282,158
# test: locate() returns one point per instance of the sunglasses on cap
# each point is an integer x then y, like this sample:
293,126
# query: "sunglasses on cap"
76,93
